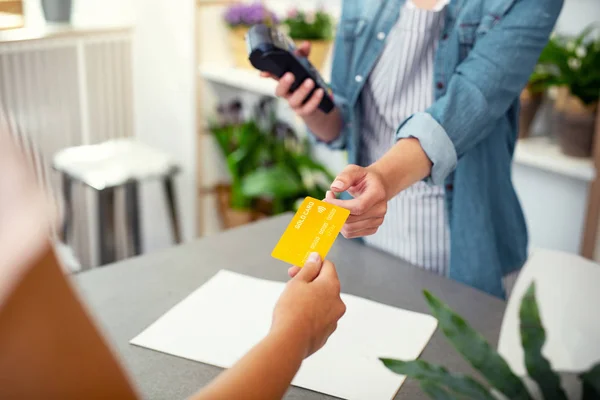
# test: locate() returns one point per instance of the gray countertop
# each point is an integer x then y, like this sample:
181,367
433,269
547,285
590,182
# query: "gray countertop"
127,297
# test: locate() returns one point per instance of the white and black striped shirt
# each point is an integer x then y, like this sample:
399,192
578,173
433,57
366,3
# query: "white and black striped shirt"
401,84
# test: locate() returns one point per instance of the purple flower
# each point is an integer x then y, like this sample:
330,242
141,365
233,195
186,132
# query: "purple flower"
248,14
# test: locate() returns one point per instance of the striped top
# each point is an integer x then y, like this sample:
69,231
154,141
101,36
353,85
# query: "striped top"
400,85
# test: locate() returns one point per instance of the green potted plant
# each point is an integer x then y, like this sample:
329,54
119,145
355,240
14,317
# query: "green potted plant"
239,17
271,169
571,67
316,27
501,383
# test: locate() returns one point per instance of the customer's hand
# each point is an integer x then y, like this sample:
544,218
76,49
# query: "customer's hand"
369,206
311,304
298,100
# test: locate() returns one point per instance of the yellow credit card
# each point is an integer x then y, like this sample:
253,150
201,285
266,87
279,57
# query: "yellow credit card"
313,229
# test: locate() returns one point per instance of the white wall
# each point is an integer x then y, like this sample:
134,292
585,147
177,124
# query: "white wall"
165,96
577,14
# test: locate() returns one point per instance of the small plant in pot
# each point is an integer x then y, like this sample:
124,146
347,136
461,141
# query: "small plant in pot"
316,27
543,383
239,17
572,69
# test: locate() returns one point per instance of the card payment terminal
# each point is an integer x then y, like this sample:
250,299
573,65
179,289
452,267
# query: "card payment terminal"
270,50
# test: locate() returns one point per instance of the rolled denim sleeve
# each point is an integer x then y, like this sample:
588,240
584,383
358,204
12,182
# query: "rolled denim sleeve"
485,85
340,142
435,142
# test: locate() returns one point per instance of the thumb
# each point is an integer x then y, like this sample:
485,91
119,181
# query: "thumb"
350,176
304,49
311,269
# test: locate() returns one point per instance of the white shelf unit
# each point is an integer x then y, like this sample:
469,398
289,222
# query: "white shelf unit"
536,152
544,154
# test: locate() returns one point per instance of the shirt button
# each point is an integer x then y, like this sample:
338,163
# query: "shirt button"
445,37
358,78
380,36
440,85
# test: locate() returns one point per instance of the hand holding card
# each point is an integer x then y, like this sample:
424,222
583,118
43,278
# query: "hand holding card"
313,229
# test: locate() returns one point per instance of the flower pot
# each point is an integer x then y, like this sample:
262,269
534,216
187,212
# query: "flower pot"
231,218
530,104
57,11
319,52
239,50
574,124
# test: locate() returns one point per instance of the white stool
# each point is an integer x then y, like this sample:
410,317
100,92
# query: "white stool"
104,168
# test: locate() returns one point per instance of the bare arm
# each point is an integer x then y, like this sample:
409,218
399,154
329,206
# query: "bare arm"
264,373
326,127
402,166
304,318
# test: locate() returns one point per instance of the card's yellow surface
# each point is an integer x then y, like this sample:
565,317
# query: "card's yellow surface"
313,229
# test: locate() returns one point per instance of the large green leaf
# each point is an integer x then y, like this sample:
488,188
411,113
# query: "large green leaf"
435,391
477,351
277,182
591,382
533,337
423,371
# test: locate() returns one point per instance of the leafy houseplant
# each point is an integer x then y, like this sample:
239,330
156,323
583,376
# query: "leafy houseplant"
270,168
239,18
572,67
542,383
316,27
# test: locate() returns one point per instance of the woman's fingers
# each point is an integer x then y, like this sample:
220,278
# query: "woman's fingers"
355,227
296,99
293,271
377,211
285,85
363,233
304,49
312,104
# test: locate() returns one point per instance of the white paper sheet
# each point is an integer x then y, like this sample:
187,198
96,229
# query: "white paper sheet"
222,320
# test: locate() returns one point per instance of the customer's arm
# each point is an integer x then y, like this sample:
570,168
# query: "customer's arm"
304,318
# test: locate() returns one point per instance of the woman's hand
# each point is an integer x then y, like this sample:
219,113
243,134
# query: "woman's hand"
369,206
305,316
298,100
326,127
310,306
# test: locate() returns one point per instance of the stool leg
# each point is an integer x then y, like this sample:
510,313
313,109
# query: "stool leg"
67,190
133,218
106,226
169,184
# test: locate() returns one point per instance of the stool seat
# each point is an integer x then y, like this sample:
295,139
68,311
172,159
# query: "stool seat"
113,163
121,164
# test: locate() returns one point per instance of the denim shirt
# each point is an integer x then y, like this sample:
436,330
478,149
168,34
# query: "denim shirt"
485,56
